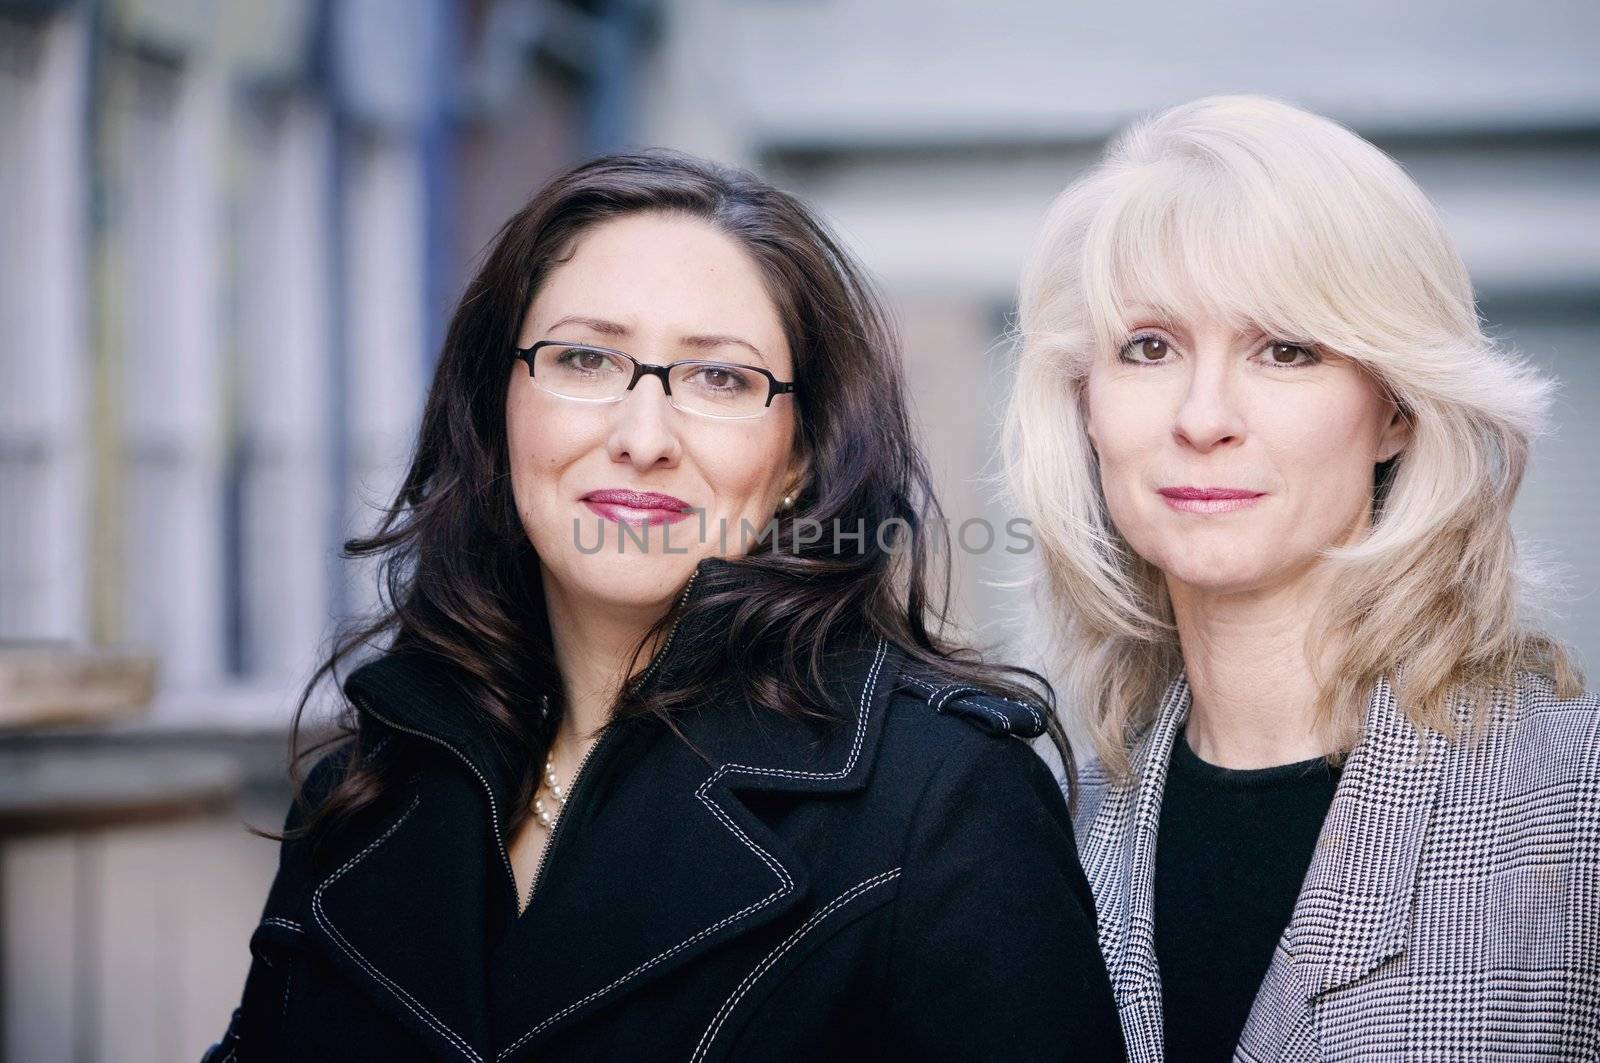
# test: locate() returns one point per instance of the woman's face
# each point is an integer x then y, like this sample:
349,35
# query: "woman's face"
661,289
1229,461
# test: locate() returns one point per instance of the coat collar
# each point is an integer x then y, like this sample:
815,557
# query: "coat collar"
1119,860
422,695
1355,907
1387,795
624,896
1354,910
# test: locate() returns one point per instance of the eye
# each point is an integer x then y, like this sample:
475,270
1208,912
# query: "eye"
1287,355
721,378
1146,350
586,360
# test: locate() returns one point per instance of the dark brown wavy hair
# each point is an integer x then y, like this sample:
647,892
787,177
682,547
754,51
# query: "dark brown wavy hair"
460,581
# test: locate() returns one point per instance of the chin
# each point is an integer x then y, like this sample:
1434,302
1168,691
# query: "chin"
627,580
1214,582
1218,571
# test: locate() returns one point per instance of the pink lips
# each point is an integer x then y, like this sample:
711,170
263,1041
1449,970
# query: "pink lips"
636,507
1209,499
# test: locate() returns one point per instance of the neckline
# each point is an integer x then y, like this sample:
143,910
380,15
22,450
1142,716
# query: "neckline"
1188,766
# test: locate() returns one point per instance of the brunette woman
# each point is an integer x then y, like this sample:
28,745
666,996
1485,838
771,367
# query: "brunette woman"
661,758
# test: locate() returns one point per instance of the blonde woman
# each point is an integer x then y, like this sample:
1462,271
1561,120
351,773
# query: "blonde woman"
1345,804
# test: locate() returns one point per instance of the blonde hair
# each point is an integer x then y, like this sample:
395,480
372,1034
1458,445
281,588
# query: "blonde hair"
1254,211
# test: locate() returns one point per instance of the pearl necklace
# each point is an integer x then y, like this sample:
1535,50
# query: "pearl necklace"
542,813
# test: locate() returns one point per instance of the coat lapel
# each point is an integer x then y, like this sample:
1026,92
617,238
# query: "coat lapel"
662,860
419,898
410,903
1119,858
1355,909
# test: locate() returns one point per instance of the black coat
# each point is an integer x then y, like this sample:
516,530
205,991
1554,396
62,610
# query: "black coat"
903,885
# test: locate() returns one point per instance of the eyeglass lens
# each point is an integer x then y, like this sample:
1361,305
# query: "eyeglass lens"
716,389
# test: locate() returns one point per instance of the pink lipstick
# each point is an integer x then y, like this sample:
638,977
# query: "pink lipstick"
636,507
1209,499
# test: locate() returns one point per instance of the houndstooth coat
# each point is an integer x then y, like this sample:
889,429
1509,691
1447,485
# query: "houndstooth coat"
1451,910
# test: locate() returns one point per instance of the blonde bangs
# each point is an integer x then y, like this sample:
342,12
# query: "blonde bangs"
1178,243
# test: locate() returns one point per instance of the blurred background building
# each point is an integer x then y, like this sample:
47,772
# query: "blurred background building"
231,232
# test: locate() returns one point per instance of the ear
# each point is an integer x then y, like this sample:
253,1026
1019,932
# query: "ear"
798,474
1396,434
1085,417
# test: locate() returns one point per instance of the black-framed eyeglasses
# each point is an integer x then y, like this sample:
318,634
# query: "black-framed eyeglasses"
584,372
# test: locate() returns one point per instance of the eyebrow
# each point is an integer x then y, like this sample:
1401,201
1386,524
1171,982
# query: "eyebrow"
1155,315
595,324
698,342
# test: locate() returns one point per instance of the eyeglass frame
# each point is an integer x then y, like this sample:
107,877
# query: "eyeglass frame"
775,387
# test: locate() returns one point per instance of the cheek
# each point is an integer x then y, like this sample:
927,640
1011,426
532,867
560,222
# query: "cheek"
1325,441
540,445
1126,429
746,466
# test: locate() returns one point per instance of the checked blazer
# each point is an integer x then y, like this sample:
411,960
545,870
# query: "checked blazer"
1451,910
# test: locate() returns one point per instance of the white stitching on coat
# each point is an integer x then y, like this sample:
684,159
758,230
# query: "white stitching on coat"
777,954
1033,711
785,883
942,698
938,697
288,924
412,1004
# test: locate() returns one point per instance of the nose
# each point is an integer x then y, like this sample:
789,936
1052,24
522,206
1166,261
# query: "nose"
1209,418
643,429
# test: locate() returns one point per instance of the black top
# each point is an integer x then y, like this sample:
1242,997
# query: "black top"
1231,854
902,884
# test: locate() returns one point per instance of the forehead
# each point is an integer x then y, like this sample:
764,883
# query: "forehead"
1179,250
664,278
